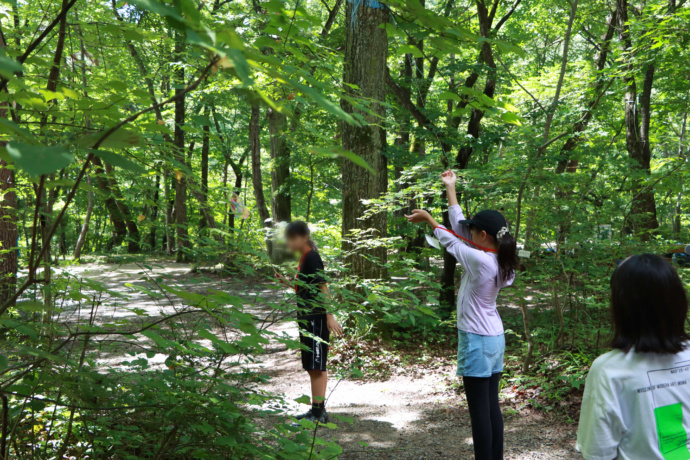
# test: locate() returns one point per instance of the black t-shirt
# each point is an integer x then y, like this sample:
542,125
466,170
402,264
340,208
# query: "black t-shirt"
308,285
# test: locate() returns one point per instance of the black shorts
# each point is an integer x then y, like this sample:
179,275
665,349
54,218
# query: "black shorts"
314,359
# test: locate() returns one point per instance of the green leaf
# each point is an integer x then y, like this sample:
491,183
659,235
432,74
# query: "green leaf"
31,306
304,399
159,8
8,67
37,160
120,139
114,159
9,127
409,49
445,95
234,59
506,47
335,152
342,418
3,362
510,117
50,95
132,35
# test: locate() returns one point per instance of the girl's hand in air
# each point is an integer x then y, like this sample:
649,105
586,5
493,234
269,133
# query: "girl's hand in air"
333,326
418,216
449,178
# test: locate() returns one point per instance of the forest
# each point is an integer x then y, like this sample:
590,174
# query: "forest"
152,152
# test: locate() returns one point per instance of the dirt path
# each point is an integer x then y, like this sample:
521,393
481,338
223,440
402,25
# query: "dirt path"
409,416
415,417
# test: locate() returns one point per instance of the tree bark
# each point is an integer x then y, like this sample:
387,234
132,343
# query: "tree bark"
565,164
550,112
8,229
154,213
678,219
203,193
169,237
8,219
119,231
85,225
257,182
637,120
133,239
181,230
366,52
487,57
281,204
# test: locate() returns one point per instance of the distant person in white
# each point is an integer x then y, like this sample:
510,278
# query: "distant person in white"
637,397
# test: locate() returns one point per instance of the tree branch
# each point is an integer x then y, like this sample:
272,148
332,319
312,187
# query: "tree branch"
34,44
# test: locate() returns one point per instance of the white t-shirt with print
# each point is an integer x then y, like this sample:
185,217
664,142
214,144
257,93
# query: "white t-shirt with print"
636,407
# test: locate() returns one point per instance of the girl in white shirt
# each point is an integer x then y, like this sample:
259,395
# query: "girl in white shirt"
637,397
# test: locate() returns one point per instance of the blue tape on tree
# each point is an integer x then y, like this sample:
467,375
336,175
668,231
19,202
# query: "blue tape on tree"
368,3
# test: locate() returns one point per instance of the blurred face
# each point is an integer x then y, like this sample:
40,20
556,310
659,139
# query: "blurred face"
297,243
481,238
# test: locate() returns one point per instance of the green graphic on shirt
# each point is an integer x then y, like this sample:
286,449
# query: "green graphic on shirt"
673,439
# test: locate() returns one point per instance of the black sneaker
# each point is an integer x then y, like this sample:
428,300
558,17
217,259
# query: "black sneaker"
312,418
308,415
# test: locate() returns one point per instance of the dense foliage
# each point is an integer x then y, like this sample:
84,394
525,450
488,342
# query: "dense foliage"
148,130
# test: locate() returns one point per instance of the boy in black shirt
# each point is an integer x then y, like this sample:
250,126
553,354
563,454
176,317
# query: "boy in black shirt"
315,323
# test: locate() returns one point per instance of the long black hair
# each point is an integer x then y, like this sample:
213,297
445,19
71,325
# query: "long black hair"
649,306
300,228
507,256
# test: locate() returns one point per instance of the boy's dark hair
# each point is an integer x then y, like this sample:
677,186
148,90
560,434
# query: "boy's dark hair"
648,306
299,228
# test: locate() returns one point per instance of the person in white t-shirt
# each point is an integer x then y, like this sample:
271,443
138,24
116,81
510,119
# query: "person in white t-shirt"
636,404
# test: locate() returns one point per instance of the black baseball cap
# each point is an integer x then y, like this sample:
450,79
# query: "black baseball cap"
492,222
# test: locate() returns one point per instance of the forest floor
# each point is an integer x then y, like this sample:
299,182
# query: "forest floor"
410,411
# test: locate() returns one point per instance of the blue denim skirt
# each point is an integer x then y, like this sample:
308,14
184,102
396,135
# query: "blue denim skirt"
480,355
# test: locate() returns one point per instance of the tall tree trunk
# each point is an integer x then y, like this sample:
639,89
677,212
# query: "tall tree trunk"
8,228
203,195
85,225
366,53
235,195
133,240
257,182
119,231
154,213
281,204
677,220
637,120
169,237
8,219
49,198
181,231
600,86
550,112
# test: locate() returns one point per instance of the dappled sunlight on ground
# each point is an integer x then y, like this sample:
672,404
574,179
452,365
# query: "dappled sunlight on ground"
410,415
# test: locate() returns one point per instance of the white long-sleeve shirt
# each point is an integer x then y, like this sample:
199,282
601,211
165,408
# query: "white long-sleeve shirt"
480,282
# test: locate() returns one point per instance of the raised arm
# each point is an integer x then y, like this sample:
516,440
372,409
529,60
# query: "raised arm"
455,213
450,180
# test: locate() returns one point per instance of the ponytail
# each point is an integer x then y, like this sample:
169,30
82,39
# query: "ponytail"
507,256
